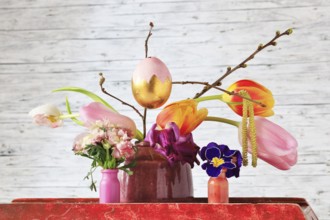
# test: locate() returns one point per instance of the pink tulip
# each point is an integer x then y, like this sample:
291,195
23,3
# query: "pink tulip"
96,111
276,146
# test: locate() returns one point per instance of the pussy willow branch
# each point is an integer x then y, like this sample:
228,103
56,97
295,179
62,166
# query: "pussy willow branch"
101,81
149,35
243,63
218,88
144,117
144,123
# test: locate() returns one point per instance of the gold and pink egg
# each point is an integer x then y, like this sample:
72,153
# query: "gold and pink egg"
151,83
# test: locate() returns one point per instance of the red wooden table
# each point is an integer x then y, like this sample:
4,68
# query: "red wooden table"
196,208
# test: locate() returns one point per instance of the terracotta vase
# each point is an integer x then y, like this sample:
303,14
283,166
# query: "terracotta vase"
155,180
218,189
109,187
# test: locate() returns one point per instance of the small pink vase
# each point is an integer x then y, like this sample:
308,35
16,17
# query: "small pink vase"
109,186
218,189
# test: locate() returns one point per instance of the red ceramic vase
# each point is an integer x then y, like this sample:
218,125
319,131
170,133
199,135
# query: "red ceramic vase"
155,180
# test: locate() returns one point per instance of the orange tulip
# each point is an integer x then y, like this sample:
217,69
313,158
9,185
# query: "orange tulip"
184,114
257,92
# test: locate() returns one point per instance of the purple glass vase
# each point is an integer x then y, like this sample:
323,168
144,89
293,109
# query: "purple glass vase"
155,180
109,186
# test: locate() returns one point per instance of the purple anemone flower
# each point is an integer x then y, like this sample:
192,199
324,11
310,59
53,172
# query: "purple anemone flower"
172,145
218,157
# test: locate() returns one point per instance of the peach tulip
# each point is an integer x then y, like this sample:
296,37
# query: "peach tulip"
276,146
96,111
184,114
256,91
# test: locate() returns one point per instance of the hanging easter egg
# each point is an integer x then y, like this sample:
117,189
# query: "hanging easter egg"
151,83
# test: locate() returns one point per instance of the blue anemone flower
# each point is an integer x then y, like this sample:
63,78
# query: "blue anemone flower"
218,157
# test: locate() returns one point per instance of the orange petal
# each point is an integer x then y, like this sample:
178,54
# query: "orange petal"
256,91
194,121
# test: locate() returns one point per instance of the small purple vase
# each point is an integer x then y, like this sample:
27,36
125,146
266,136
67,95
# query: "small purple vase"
109,186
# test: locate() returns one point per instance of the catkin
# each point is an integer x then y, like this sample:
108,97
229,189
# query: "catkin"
244,129
248,112
253,135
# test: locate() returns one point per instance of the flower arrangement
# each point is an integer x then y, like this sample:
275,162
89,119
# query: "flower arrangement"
110,138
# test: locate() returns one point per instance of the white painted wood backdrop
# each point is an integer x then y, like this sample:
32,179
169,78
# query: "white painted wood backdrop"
50,44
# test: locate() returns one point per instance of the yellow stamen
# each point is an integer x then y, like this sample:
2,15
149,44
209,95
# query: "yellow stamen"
217,161
52,118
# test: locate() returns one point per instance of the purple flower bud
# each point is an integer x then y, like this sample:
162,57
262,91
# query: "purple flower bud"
172,145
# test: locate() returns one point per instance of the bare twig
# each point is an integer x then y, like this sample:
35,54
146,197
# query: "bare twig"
207,85
149,35
243,63
101,81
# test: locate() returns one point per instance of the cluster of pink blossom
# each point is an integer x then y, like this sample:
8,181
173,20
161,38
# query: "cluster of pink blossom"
103,132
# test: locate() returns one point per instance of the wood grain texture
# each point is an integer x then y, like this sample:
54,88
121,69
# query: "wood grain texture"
50,44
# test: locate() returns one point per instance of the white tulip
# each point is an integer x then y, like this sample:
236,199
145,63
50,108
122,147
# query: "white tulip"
48,115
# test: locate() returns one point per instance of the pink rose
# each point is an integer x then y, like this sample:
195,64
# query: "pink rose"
126,149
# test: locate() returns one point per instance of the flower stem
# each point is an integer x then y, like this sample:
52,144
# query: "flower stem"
215,97
107,158
208,98
68,116
222,120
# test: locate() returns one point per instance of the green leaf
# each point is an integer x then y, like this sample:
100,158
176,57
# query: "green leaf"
130,165
90,175
139,135
91,187
68,108
128,171
112,163
90,94
85,155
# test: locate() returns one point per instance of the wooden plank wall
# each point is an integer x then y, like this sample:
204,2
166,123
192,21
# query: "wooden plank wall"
50,44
